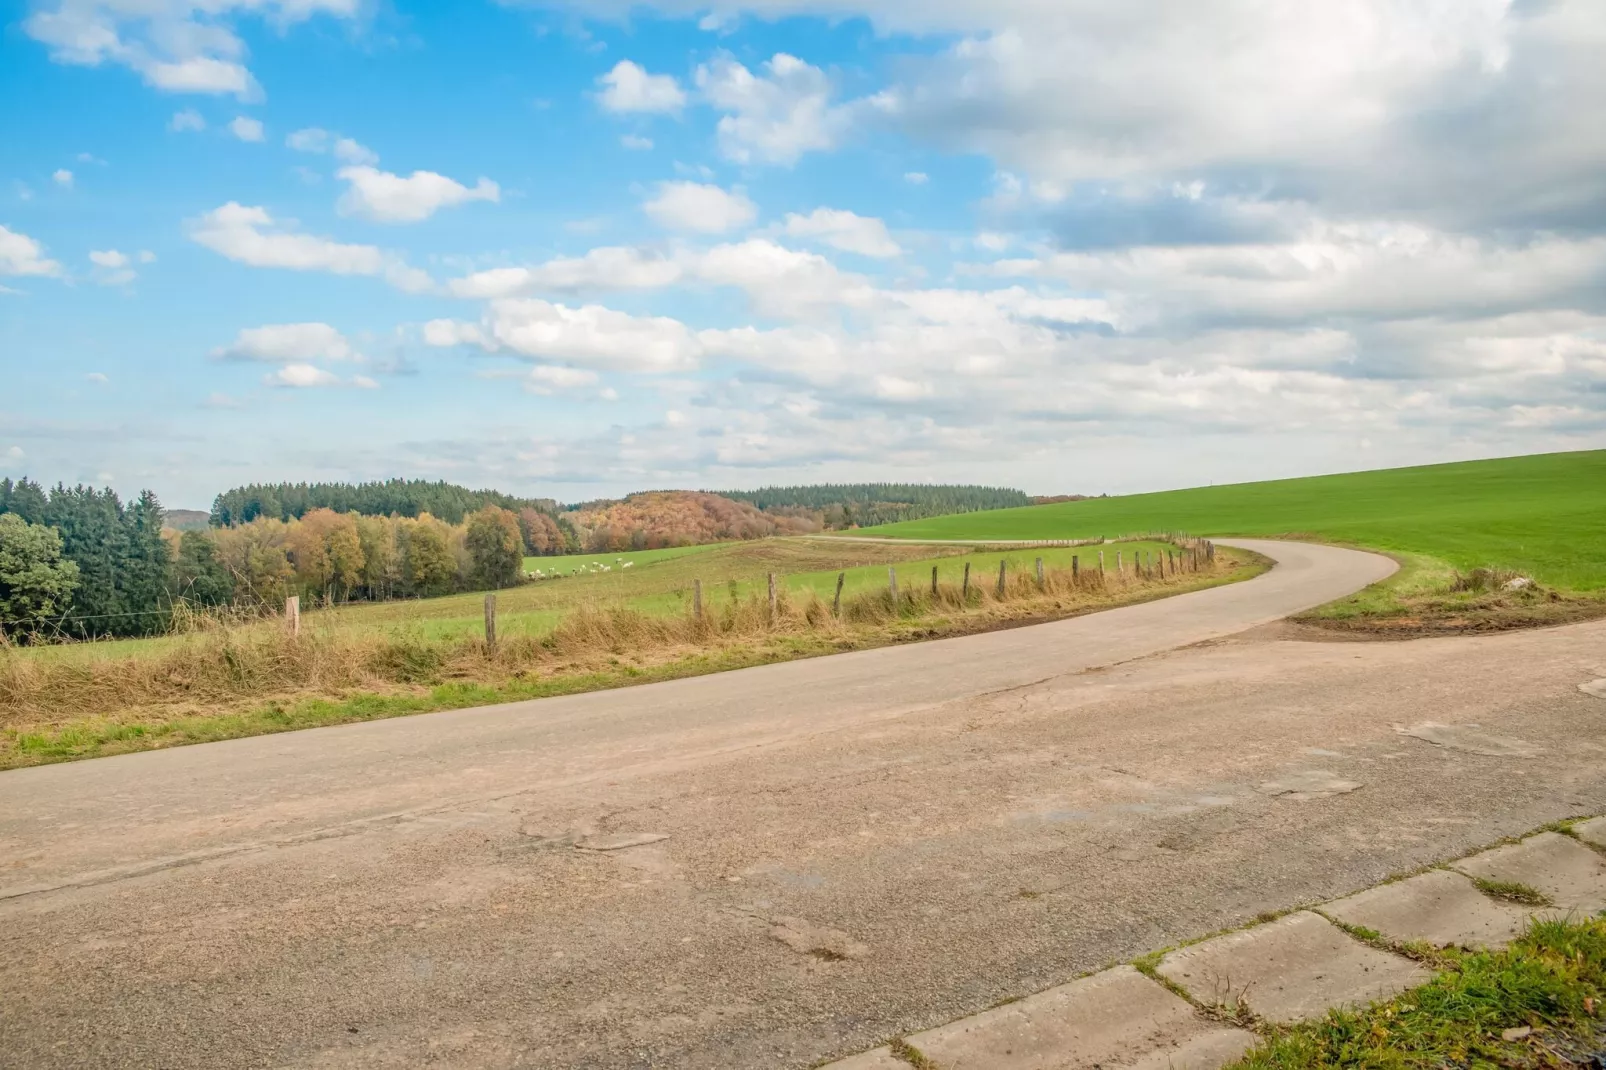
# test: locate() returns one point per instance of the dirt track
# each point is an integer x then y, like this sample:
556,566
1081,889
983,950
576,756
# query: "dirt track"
856,847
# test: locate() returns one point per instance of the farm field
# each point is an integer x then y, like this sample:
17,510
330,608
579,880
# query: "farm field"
1544,515
1541,516
575,633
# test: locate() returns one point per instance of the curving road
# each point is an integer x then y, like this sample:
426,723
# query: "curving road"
811,856
73,821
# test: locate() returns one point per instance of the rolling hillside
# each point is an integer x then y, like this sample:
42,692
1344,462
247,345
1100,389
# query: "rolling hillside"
1542,515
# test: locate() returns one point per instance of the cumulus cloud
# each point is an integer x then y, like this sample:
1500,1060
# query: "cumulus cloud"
249,235
636,143
317,140
699,207
176,46
63,178
113,268
775,116
289,343
301,376
588,336
843,230
187,120
388,198
22,255
246,128
603,269
628,88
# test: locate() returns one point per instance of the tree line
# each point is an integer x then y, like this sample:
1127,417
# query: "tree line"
393,497
846,505
78,563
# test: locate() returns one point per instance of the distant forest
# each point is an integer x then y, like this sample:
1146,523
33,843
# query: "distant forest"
846,505
394,497
77,562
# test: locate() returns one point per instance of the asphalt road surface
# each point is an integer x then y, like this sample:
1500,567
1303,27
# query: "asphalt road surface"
773,866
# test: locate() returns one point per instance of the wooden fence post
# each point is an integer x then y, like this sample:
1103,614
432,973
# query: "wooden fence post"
964,590
697,599
490,621
892,586
292,615
1076,570
1120,567
772,595
1101,563
934,581
836,603
1001,566
1039,573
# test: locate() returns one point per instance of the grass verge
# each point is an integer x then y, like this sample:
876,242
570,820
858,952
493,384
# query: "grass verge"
254,681
1537,1003
1428,596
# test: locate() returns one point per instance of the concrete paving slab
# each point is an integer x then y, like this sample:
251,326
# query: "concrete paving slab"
1593,831
1292,968
879,1059
1440,908
1572,875
1117,1018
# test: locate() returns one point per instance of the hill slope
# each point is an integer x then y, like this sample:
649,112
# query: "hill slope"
1543,515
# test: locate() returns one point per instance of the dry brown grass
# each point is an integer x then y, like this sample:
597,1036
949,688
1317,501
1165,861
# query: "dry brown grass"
227,671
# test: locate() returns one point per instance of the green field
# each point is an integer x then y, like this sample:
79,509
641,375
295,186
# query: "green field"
1542,516
567,563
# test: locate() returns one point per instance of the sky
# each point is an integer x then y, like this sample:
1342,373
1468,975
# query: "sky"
577,249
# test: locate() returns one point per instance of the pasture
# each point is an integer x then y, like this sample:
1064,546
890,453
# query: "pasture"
1542,516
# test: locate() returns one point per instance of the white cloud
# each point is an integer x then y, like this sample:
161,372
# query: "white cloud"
289,343
112,268
99,378
843,230
63,178
628,88
245,128
248,234
22,255
300,375
317,140
546,379
776,116
180,47
916,178
388,198
693,206
588,336
636,143
187,120
147,257
602,269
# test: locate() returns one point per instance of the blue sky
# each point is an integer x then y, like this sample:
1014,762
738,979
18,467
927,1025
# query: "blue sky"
576,250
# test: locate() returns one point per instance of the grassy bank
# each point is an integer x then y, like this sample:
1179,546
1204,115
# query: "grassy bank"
1462,532
1539,1003
247,681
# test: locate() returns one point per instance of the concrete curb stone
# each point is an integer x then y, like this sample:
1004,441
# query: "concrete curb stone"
1117,1018
1295,967
1572,875
1440,908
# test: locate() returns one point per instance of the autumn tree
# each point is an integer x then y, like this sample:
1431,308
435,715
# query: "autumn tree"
495,547
428,567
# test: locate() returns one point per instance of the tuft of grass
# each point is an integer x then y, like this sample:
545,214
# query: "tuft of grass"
1513,892
1551,981
901,1049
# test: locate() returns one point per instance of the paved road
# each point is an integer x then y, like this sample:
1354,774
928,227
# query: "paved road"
855,847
